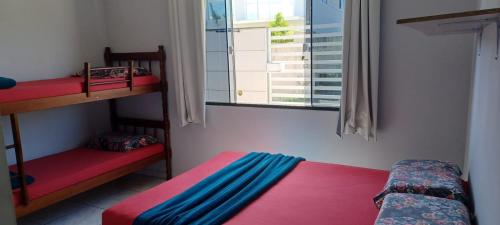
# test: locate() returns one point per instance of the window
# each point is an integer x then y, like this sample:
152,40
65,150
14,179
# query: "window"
274,52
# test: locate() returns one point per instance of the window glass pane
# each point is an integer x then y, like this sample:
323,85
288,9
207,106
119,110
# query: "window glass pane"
218,84
268,45
327,32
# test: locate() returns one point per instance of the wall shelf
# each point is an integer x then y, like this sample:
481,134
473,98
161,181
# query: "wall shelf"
454,23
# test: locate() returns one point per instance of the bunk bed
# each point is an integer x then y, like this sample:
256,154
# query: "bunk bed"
63,175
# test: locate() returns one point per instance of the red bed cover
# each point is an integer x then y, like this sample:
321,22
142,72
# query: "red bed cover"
55,172
312,194
63,86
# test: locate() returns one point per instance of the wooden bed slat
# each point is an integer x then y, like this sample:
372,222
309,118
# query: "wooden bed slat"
109,82
140,123
154,56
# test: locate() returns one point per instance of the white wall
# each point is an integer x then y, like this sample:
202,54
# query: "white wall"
487,4
51,39
423,100
484,129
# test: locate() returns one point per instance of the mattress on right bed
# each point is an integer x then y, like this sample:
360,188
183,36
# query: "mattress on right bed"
312,193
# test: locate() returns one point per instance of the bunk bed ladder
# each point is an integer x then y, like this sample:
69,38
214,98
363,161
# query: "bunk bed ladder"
17,146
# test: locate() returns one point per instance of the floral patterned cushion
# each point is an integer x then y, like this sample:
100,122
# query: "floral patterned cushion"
120,142
428,165
428,177
411,209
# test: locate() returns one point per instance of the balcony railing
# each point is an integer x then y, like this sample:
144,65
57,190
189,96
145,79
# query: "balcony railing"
294,61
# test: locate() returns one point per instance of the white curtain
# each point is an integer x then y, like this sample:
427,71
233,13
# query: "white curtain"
358,111
186,48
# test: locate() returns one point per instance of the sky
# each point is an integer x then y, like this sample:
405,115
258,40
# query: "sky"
259,10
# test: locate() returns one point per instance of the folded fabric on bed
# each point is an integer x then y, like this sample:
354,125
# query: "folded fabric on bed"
220,196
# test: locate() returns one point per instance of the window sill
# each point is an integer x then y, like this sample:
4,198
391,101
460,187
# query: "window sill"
273,106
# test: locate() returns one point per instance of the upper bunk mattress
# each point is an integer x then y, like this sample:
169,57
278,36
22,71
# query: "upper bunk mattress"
313,193
64,86
56,172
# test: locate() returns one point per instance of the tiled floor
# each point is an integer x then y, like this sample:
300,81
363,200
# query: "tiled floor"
86,208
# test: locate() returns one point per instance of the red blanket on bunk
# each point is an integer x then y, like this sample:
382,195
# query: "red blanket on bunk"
312,193
64,86
55,172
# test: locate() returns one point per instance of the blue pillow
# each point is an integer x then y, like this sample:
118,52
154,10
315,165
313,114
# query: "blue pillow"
15,180
6,83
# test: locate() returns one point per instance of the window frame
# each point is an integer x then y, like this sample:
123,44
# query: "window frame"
269,106
276,106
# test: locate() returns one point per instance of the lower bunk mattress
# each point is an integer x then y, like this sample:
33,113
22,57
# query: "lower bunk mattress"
312,193
65,86
56,172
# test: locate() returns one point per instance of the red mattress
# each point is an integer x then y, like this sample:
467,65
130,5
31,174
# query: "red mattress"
55,172
63,86
313,193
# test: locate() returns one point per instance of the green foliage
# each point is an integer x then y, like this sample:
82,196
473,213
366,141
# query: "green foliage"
280,21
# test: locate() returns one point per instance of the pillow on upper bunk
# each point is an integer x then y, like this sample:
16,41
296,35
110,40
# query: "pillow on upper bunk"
427,177
121,142
411,209
6,83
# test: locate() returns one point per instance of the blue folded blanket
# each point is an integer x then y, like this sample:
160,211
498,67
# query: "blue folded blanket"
220,196
15,180
6,83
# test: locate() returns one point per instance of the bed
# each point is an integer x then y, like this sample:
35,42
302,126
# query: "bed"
40,89
60,171
69,173
313,193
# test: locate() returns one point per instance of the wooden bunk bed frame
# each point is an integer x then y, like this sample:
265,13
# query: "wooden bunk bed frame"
12,109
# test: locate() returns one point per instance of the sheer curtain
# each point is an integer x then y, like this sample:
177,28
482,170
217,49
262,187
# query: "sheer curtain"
358,111
186,46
